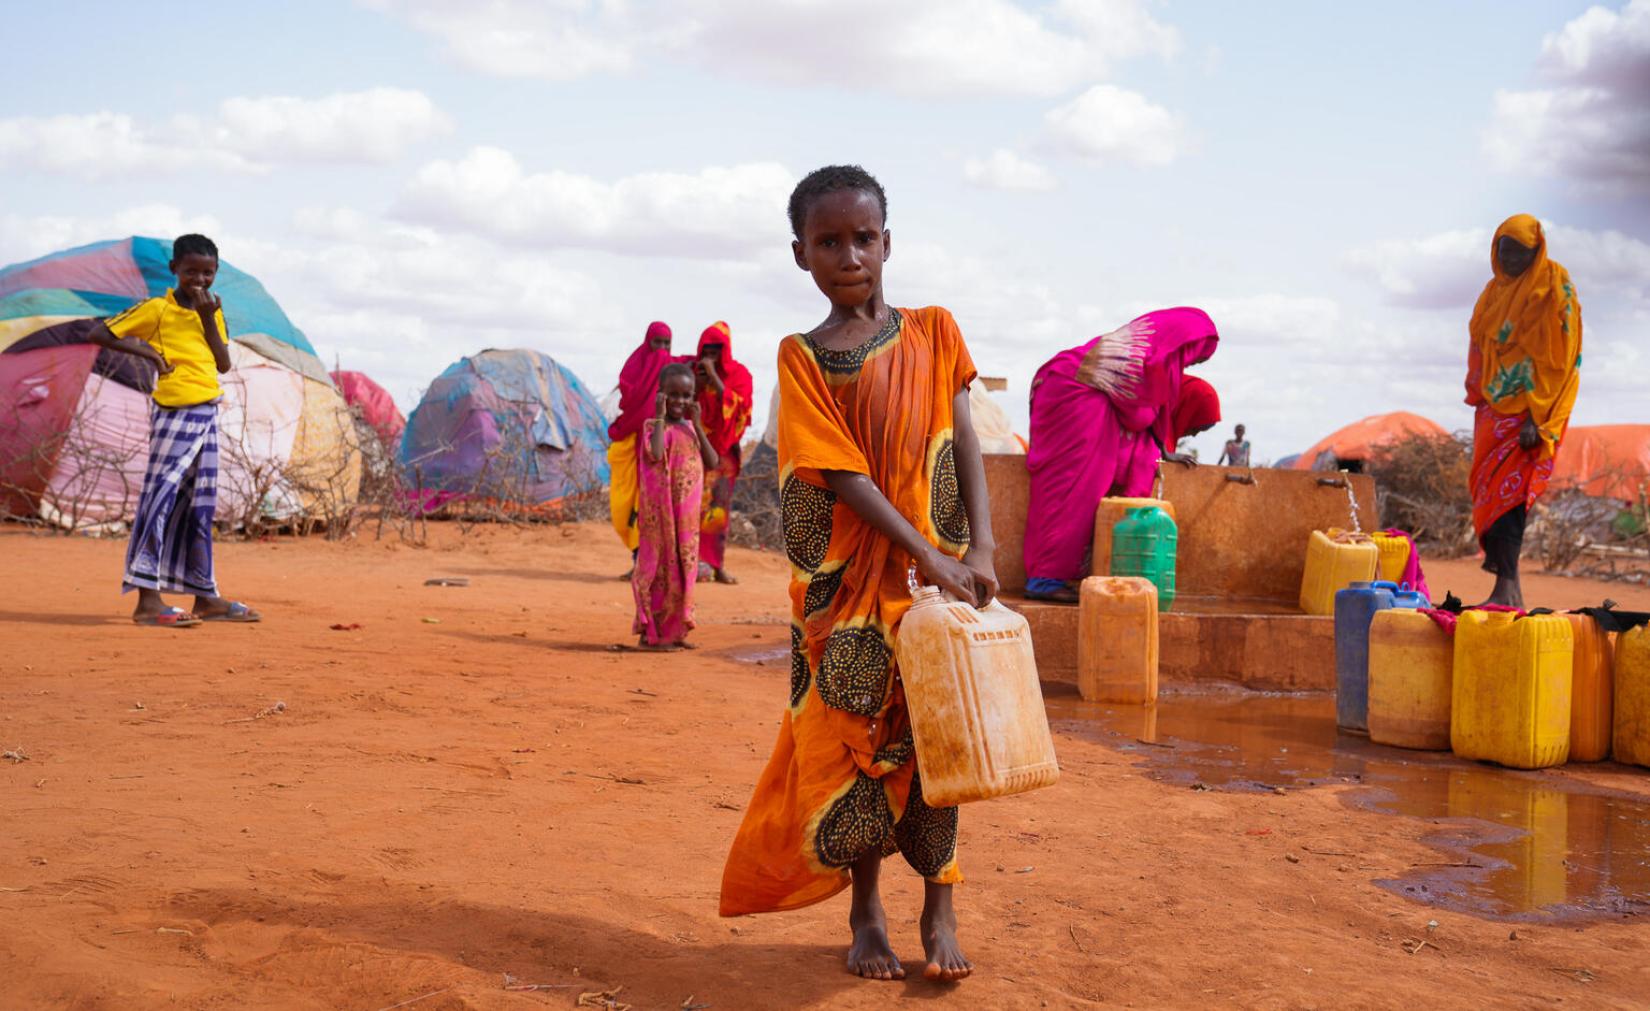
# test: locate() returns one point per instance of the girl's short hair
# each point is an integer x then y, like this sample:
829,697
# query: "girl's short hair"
193,244
673,370
832,179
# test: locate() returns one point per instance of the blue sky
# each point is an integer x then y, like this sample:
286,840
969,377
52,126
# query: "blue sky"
420,179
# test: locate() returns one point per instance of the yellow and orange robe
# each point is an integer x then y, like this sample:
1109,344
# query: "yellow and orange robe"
841,781
1525,357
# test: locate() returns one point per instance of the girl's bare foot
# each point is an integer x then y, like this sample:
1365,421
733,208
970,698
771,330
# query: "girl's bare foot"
725,579
946,961
871,956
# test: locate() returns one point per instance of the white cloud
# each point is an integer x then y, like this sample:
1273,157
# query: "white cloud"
376,125
24,237
103,144
402,303
1593,124
715,213
246,135
1005,170
556,40
1449,269
1111,124
939,48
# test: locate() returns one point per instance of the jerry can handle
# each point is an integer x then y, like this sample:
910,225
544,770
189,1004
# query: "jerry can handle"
912,582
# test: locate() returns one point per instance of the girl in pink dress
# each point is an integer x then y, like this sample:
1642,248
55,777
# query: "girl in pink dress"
675,455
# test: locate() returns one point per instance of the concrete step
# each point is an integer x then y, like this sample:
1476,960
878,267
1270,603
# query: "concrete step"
1259,644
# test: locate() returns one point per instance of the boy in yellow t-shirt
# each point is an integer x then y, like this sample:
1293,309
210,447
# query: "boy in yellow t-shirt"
182,334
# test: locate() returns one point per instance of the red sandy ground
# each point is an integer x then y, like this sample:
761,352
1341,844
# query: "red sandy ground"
443,802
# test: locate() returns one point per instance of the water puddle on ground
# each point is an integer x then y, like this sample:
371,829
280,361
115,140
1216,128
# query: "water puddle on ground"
1514,845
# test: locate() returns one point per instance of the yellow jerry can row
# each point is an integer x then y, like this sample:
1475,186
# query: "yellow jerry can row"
1335,559
1411,667
1511,698
1106,518
1394,557
1632,716
1117,640
1592,696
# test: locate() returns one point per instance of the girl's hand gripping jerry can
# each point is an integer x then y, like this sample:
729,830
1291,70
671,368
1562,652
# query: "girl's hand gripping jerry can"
975,703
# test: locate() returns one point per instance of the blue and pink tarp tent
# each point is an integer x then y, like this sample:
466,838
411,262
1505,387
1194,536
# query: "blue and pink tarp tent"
104,278
74,417
510,425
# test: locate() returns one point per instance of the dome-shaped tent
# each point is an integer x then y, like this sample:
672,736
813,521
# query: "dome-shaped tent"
74,420
1350,447
511,426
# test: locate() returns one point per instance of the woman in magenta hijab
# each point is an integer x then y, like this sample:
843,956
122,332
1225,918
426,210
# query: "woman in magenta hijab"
1103,416
638,388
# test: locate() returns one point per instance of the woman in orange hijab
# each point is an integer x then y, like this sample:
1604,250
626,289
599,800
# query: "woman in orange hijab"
1523,370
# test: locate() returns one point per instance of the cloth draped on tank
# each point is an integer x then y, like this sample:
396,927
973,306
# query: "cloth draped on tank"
1525,357
841,781
725,416
638,388
1102,415
667,525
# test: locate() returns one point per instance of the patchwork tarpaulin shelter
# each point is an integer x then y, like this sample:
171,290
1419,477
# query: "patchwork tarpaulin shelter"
74,418
106,277
373,403
1355,443
1605,461
508,426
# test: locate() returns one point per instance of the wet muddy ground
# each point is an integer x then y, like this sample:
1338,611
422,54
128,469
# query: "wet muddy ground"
1538,846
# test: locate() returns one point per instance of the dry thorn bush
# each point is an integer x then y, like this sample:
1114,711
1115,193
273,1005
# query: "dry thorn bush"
1422,486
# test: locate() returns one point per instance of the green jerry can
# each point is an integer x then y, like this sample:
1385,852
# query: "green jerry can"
1143,544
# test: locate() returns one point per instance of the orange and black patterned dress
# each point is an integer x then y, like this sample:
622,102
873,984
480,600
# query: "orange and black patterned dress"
842,778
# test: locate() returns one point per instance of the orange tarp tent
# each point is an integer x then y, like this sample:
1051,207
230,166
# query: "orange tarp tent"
1357,440
1605,461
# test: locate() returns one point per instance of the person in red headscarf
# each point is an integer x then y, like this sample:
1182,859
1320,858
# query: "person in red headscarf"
638,391
725,399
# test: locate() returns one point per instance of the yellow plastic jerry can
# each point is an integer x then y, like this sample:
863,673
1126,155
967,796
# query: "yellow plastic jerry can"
1394,556
1335,559
1592,695
1511,698
1411,674
1117,654
1632,716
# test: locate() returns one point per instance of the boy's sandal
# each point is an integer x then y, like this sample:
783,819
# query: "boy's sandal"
237,612
172,617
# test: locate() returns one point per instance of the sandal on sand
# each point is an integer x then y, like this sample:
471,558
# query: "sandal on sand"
172,617
237,612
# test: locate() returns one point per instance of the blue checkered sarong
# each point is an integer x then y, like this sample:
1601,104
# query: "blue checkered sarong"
171,547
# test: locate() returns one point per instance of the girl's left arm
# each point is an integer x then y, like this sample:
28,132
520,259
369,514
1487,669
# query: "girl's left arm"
982,544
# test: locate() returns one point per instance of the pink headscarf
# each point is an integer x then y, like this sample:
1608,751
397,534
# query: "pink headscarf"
1095,410
639,384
